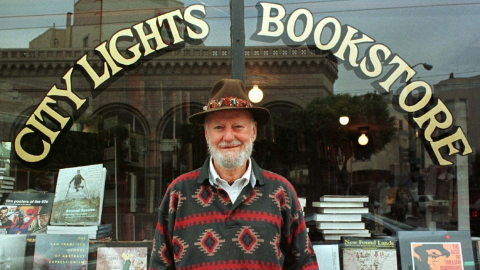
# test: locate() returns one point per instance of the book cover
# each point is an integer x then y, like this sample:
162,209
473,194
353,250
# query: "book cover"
337,217
79,196
362,253
476,245
436,250
22,218
114,258
327,256
43,200
67,251
436,255
344,198
12,251
6,218
338,204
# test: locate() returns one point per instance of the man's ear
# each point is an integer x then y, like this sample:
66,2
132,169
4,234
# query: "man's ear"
254,133
206,132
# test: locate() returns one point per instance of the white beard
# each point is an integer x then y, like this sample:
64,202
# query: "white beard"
230,160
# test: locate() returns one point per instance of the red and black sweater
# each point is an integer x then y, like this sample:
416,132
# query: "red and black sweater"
199,227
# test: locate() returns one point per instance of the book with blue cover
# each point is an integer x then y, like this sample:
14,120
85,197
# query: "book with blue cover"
61,251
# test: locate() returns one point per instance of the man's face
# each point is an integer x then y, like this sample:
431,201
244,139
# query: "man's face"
3,214
44,219
230,135
435,259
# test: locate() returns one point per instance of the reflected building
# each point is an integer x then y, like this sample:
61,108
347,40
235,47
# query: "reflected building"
138,127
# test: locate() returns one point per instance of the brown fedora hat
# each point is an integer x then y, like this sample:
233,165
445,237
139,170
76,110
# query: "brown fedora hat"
230,94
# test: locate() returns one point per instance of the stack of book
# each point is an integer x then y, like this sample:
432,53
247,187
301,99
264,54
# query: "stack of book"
102,231
303,204
6,185
78,202
341,216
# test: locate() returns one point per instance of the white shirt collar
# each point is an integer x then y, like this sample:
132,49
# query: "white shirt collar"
248,175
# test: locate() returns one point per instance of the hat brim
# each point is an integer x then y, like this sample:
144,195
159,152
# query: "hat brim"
260,115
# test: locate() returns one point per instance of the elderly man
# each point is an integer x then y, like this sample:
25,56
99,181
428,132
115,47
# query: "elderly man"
231,214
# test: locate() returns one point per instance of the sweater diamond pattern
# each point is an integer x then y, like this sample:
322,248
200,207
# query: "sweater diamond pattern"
204,196
280,198
253,197
176,200
179,248
209,242
247,239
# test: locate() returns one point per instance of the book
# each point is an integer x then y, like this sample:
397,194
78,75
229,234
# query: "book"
12,251
94,232
338,237
79,196
23,217
91,235
43,200
66,251
338,204
6,218
144,226
7,183
448,249
4,187
343,231
113,258
347,210
7,178
133,192
340,225
337,217
93,228
303,202
343,198
5,149
361,253
327,256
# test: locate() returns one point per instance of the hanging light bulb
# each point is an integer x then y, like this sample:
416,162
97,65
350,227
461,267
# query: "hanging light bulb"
344,120
363,139
255,94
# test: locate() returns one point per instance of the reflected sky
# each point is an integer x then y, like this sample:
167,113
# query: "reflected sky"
443,33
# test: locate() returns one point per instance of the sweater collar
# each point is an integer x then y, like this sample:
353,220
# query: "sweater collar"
257,171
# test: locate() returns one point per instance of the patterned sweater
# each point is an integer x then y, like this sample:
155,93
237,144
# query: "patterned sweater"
199,227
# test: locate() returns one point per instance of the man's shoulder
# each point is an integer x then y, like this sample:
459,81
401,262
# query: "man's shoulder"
276,179
186,177
268,175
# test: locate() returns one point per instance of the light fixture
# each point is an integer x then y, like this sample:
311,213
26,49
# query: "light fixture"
344,120
363,139
425,66
255,94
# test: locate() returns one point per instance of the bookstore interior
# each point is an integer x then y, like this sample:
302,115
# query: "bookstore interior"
95,100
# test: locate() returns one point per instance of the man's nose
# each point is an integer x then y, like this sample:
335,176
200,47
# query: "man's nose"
229,135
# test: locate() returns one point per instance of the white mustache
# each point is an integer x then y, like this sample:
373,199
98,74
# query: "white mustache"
232,143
